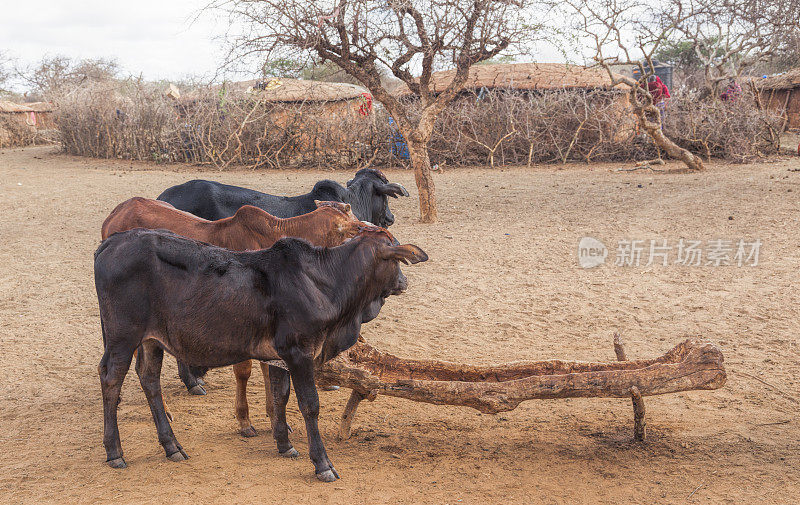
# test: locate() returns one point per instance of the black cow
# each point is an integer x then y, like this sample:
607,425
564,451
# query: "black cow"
366,193
213,307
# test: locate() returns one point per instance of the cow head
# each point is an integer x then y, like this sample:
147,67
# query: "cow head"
388,278
369,195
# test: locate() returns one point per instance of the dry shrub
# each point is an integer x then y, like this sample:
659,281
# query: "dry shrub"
134,120
116,119
513,128
734,131
244,130
13,133
507,127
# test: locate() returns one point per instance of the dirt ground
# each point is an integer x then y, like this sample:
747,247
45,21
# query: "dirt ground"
503,283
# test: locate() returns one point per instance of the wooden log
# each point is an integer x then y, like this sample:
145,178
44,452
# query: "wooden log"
639,423
349,413
619,350
491,389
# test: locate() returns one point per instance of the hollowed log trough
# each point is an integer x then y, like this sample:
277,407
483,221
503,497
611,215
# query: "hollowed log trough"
691,365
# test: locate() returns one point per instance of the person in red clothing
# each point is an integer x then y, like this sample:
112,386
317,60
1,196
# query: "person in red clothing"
660,93
657,89
732,92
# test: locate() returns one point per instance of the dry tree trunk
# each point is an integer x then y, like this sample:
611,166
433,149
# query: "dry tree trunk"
420,161
497,388
653,128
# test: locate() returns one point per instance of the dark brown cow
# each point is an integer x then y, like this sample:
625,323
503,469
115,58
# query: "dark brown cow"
213,307
249,229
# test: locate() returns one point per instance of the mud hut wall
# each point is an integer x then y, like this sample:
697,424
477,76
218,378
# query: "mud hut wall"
15,129
318,127
793,108
45,120
784,103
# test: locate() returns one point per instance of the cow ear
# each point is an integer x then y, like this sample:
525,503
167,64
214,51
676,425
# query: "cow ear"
407,253
391,189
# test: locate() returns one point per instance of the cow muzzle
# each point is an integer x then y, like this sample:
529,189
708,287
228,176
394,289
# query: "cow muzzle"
401,285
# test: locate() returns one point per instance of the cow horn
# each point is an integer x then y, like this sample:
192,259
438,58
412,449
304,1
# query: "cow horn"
407,253
392,189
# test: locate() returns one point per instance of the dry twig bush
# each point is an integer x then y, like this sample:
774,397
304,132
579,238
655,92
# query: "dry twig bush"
509,128
13,133
113,119
735,131
134,120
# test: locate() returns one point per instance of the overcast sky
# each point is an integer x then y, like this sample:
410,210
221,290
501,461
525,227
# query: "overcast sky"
158,38
161,39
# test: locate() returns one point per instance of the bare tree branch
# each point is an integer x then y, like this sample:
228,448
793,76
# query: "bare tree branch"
408,37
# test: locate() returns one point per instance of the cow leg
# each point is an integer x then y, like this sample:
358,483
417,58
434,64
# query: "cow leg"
301,368
148,367
242,411
169,414
267,371
113,367
192,383
279,388
269,405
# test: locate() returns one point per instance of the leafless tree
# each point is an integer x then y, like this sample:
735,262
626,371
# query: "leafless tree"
5,74
407,37
53,73
729,37
628,33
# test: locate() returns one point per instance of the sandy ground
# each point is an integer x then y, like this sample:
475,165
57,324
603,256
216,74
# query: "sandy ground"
502,283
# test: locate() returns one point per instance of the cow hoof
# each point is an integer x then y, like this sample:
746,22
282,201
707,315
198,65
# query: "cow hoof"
178,456
197,390
328,475
117,463
248,432
200,382
330,388
290,453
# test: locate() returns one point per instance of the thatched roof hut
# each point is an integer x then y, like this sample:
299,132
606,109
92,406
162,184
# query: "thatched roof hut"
284,90
539,78
40,106
523,77
18,123
35,115
12,108
297,90
312,115
781,93
786,80
283,93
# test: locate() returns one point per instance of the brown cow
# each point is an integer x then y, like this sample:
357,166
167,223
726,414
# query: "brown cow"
249,229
